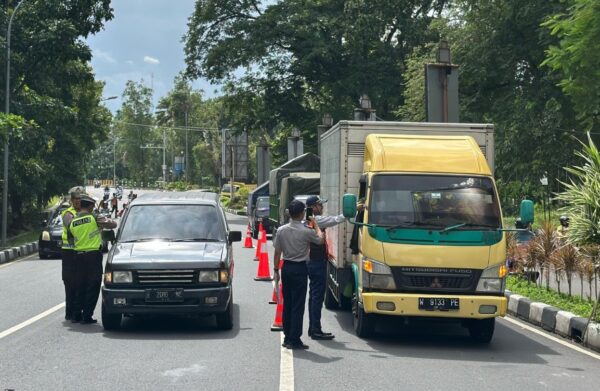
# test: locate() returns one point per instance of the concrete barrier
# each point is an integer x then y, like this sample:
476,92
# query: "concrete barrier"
523,307
513,303
577,327
563,323
549,318
592,336
535,313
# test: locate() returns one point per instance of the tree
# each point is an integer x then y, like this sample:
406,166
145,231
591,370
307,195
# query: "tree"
576,56
52,86
304,58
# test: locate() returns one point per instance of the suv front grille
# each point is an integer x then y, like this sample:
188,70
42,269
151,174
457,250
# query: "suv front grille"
147,277
435,279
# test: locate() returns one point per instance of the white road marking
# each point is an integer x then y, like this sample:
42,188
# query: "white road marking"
551,337
18,260
286,369
18,327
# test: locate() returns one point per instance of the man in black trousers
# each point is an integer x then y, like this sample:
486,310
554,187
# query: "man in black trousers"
292,244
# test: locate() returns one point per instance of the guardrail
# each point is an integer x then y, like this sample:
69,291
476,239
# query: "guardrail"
10,254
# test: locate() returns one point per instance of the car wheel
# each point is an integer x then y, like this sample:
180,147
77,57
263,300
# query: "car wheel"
364,324
110,321
225,319
482,331
43,255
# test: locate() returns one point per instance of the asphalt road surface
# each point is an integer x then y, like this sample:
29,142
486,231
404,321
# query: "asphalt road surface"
40,351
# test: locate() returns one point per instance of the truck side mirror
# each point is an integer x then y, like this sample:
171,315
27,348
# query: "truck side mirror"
526,212
349,205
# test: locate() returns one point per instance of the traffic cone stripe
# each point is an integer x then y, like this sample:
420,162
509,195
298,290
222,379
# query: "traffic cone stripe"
248,241
278,322
263,273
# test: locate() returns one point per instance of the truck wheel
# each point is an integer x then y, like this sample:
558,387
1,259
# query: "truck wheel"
330,301
364,324
110,321
482,330
225,319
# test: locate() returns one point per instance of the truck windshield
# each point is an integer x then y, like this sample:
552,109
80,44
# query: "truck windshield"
438,200
262,203
172,222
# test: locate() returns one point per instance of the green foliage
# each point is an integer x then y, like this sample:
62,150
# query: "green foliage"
577,54
53,86
574,304
582,196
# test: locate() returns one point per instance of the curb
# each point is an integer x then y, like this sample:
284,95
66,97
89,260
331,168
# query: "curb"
563,323
11,254
235,212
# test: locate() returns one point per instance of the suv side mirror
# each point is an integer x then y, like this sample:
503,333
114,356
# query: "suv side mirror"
526,212
44,222
108,236
349,206
234,236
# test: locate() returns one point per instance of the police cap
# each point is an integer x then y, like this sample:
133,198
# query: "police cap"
76,191
295,207
87,199
315,199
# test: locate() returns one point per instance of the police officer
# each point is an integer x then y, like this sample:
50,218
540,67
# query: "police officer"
67,252
87,233
292,242
317,268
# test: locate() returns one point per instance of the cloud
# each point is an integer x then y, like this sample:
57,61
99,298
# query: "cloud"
129,62
151,60
104,56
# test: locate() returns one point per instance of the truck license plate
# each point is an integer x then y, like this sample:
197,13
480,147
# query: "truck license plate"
164,295
438,304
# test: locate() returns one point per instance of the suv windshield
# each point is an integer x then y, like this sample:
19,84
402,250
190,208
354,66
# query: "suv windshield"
439,201
172,222
262,203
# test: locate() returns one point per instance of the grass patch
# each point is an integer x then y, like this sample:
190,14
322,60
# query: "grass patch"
24,238
574,304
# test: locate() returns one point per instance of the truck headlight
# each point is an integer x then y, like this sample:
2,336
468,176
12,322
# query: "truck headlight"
120,277
377,275
46,236
208,276
492,279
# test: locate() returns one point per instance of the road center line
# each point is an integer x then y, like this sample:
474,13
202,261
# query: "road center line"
551,337
286,368
18,327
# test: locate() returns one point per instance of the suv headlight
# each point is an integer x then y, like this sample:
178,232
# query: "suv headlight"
377,275
208,276
46,236
493,279
120,277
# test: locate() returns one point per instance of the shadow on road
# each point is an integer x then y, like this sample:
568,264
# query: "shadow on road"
164,328
440,339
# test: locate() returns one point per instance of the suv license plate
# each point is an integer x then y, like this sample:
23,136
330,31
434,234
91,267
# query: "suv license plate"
164,295
438,304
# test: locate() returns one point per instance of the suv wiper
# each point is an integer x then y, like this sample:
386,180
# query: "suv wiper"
407,224
195,240
452,227
145,240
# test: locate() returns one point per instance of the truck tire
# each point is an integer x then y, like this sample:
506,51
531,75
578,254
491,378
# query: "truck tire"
364,324
482,331
330,301
110,322
225,319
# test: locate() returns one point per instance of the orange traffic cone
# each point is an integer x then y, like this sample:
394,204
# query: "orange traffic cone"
274,296
278,322
262,238
263,273
248,241
260,227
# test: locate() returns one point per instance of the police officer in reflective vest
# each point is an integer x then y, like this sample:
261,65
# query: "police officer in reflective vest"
68,253
87,233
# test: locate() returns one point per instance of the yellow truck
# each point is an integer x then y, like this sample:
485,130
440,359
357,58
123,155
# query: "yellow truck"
430,241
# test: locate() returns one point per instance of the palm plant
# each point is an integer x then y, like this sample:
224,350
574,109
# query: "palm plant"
543,247
587,266
566,260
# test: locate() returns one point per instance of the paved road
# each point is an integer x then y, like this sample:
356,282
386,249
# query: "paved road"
188,354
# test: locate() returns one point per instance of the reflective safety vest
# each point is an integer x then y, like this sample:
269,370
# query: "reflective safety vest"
66,243
87,234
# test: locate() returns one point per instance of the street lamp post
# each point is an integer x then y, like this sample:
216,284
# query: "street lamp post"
7,111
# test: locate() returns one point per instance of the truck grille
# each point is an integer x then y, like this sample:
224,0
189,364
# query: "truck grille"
435,279
165,276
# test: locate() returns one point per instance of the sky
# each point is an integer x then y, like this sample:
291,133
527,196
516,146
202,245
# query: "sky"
143,42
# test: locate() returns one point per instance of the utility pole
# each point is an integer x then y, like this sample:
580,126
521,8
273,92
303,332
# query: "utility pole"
186,142
7,111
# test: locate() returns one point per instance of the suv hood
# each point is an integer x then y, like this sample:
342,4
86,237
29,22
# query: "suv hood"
152,255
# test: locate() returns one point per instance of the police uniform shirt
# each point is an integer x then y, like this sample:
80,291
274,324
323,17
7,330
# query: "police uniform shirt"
293,240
